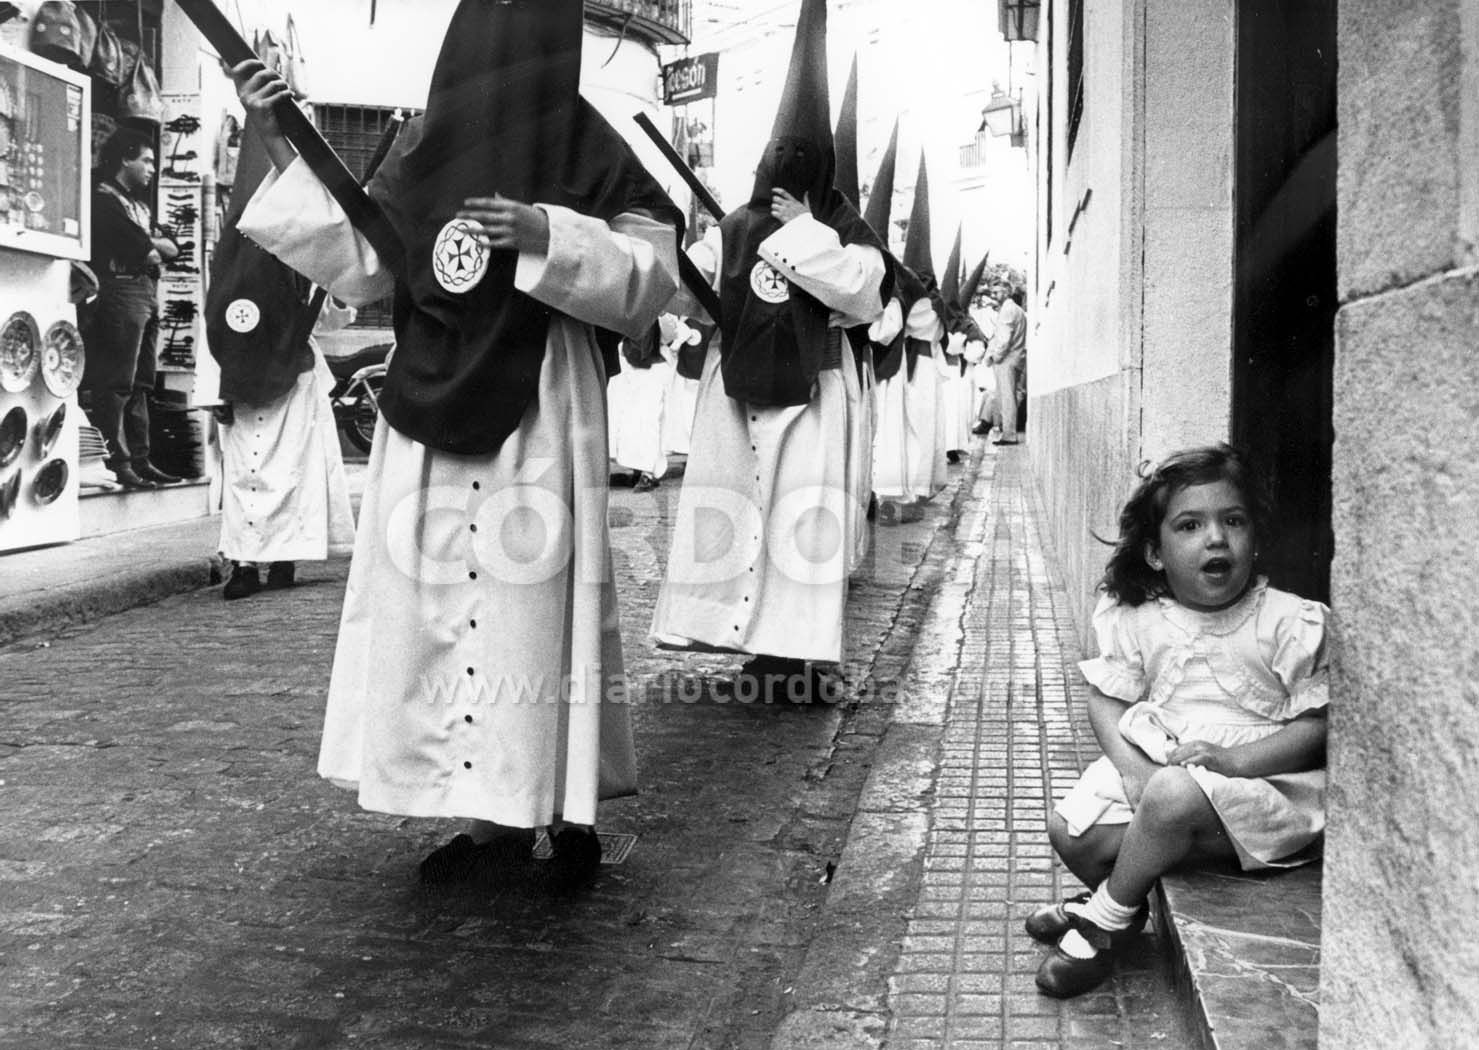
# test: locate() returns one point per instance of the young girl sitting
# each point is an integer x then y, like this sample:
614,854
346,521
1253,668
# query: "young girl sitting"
1208,697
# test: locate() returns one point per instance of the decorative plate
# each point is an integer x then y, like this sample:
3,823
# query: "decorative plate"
62,359
20,352
51,482
49,429
12,435
9,492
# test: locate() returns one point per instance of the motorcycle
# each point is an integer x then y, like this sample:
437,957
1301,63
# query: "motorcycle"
355,396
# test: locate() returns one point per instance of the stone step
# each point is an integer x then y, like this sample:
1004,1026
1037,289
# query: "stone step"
1246,947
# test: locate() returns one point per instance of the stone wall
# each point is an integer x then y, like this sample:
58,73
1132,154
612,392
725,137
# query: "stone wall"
1401,929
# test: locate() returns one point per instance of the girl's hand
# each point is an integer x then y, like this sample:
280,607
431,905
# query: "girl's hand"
786,207
259,89
1208,756
508,224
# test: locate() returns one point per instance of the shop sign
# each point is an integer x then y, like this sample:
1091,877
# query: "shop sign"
690,79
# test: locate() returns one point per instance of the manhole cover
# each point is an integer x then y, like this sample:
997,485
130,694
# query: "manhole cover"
615,846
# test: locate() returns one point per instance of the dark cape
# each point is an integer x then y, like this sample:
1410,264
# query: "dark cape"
261,354
504,116
772,351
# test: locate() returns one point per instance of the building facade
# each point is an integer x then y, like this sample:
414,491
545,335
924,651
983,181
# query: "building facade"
1258,222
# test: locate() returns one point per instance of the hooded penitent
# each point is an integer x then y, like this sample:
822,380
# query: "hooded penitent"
257,319
968,296
846,181
887,357
504,116
917,261
774,334
954,317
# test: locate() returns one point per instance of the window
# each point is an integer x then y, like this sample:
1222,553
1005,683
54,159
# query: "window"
355,133
1075,70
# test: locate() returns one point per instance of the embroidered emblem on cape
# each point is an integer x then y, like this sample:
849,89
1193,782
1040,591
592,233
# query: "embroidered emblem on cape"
769,284
458,260
243,316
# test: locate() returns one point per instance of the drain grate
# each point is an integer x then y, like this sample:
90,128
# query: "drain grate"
615,846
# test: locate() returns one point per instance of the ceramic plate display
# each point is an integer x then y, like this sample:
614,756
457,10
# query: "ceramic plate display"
12,435
49,429
62,359
8,493
51,482
20,352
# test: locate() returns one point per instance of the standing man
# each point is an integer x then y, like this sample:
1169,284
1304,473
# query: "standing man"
121,326
1006,353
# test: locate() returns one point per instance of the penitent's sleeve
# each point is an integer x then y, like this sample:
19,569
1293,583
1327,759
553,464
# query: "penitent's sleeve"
294,218
846,277
619,277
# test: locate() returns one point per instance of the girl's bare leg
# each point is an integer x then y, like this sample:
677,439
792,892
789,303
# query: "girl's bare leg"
1174,822
1089,856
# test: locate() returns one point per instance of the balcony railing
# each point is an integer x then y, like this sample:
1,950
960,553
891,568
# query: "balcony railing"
657,21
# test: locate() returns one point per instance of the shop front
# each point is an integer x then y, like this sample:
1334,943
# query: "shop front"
72,74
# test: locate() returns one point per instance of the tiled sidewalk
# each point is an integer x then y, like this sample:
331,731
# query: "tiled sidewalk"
1013,738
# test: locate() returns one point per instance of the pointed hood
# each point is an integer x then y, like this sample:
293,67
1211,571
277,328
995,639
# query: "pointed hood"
775,333
950,281
881,198
846,141
973,283
917,241
799,157
504,114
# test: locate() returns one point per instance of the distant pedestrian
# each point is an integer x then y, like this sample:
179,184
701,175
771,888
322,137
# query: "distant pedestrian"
1208,697
1007,353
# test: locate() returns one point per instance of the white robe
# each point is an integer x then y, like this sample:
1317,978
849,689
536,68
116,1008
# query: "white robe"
909,464
760,544
861,425
637,406
285,496
478,672
957,393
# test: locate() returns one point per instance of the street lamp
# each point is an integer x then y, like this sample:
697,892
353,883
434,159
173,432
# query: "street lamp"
999,116
1018,19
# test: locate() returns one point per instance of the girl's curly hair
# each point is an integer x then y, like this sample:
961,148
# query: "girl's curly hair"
1128,578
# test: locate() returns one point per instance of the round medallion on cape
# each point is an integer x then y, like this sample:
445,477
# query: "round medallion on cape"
769,283
459,260
243,316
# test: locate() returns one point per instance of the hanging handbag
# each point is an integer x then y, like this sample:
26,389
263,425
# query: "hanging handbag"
296,73
139,98
56,33
106,66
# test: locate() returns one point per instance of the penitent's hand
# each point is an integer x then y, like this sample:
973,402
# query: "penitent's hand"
259,89
508,224
786,207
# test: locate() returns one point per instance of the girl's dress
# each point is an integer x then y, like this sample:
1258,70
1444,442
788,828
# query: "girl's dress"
1228,677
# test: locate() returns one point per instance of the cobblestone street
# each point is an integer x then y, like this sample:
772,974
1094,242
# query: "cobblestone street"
174,875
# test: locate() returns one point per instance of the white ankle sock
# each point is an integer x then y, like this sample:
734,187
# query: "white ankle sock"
1107,913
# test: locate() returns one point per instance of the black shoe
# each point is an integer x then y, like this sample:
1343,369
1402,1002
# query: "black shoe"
1004,441
576,859
129,480
243,582
981,428
952,456
149,472
1062,976
280,575
1052,921
450,863
645,483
